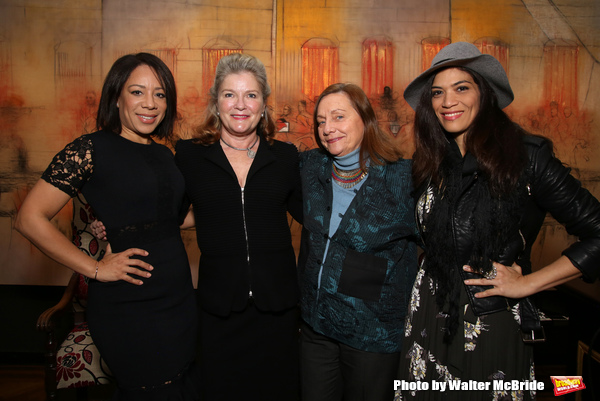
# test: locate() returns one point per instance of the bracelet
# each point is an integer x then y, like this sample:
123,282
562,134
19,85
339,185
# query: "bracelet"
96,275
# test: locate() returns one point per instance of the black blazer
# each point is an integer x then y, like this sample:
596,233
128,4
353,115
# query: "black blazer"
243,234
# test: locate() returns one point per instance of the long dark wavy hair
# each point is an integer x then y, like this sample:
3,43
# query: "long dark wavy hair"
497,145
376,145
108,112
494,140
209,130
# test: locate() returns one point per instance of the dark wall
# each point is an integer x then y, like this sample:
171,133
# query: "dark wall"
558,355
20,306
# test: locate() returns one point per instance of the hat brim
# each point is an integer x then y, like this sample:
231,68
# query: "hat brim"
485,65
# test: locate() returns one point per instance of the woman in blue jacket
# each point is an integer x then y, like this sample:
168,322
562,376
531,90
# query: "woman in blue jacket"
357,261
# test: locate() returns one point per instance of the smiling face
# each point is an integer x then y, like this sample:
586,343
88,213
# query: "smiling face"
455,100
240,104
142,104
341,130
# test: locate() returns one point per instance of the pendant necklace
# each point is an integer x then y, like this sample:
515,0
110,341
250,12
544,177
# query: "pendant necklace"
251,153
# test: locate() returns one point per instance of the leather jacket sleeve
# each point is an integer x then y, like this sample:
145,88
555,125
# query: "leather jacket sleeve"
555,190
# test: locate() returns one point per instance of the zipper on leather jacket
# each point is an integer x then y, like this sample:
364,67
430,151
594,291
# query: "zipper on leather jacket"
250,295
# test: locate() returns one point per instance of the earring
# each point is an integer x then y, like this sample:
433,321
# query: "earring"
117,105
218,113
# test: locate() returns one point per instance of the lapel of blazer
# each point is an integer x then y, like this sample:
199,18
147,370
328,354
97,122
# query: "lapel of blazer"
264,156
317,191
214,154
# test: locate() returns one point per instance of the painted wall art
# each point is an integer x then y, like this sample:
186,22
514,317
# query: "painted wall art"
54,55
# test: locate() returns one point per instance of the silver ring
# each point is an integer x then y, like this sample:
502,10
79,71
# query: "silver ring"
491,274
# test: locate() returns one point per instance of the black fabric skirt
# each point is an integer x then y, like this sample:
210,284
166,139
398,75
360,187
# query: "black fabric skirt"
250,355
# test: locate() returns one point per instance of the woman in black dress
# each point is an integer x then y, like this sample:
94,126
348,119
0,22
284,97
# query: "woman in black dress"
142,308
483,189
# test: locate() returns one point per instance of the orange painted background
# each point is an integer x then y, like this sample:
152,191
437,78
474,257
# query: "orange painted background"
54,55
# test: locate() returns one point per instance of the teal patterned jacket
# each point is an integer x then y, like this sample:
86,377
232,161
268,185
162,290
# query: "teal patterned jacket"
371,261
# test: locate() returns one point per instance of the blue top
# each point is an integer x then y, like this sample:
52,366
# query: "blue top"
342,197
355,280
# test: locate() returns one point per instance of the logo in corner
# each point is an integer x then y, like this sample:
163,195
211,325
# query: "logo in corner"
567,384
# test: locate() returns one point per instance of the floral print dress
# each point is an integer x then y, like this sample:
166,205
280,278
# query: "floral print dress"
475,354
483,358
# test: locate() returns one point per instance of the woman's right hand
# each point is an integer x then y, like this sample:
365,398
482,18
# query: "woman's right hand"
98,230
120,266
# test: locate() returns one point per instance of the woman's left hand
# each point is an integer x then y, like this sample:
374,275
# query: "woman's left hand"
508,282
511,283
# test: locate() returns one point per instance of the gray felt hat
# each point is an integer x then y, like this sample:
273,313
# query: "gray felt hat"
463,54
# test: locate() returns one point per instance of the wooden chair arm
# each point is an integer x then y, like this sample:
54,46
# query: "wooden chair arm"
46,319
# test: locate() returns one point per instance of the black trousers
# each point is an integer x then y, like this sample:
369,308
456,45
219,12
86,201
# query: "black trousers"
332,371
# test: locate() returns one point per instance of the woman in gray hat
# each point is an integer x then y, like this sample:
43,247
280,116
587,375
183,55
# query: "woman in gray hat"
483,187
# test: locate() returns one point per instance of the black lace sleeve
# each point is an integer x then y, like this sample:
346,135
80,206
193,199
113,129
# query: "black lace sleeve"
71,167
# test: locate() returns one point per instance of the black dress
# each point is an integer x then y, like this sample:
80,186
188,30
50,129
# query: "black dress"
146,334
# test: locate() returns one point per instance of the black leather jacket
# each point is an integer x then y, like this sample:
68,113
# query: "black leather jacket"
551,189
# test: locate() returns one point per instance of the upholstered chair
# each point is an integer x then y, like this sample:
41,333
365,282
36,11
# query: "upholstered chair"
74,361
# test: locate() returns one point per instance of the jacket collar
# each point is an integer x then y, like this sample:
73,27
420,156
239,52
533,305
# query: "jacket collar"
264,156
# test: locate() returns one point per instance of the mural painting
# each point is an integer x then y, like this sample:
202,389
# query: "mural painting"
53,60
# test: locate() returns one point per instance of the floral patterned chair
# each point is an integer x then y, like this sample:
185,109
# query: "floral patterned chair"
76,362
